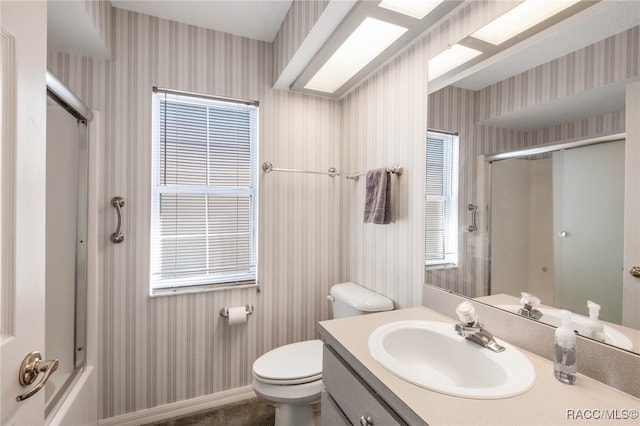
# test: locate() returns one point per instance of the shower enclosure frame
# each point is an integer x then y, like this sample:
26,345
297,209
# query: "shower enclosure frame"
482,263
76,108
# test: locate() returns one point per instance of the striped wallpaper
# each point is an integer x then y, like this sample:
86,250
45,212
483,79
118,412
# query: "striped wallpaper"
600,125
165,349
383,125
611,60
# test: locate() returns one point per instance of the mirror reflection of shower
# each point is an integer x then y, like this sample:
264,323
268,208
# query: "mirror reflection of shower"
66,253
557,227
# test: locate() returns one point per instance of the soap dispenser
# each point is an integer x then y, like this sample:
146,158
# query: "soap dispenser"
593,328
564,354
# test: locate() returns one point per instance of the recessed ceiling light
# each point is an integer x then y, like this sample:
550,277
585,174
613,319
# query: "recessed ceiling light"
449,59
415,8
520,19
366,42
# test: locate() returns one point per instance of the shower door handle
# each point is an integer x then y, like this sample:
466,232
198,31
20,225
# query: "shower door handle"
31,367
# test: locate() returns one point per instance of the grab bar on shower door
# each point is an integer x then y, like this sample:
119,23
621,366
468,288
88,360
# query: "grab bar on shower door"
118,237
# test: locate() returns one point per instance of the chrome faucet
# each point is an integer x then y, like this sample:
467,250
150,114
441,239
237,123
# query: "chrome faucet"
529,308
472,330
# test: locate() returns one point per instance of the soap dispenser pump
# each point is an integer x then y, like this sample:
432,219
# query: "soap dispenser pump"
593,328
564,354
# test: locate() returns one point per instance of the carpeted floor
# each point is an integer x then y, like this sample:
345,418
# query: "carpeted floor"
252,412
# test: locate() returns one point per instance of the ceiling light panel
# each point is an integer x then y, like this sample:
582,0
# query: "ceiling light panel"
366,42
415,8
520,19
451,58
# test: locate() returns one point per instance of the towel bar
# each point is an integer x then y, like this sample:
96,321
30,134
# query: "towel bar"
268,168
395,169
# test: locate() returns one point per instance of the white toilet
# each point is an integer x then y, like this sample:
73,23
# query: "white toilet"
290,377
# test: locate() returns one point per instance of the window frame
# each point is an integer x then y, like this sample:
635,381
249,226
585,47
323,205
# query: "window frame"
450,198
159,286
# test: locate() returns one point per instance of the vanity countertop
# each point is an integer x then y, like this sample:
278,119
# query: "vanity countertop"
549,402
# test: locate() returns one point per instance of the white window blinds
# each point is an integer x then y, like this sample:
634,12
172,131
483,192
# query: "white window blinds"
441,199
203,228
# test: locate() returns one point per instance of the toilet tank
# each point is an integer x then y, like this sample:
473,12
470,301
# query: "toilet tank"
350,299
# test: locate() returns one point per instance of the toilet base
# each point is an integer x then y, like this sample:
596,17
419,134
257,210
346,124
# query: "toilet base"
295,404
298,415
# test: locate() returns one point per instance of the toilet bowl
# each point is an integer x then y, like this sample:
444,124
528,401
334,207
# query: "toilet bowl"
290,377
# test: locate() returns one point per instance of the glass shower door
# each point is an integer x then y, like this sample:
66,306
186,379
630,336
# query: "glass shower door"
589,192
66,211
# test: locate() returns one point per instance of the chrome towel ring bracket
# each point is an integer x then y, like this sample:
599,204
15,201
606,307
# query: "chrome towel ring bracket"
118,237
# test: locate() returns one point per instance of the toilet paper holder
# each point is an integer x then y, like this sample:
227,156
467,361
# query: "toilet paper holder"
224,312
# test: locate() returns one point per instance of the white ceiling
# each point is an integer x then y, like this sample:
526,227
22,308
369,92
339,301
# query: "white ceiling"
257,19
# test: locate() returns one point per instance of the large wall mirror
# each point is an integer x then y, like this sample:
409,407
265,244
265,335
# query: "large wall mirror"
550,220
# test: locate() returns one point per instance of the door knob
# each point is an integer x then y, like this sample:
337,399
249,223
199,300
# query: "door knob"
366,421
635,271
32,365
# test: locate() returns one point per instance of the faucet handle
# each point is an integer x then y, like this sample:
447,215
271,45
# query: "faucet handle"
467,313
529,301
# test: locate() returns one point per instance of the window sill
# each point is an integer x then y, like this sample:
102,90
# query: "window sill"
176,291
439,267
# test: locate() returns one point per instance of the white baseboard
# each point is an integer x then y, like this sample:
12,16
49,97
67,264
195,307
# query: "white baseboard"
180,408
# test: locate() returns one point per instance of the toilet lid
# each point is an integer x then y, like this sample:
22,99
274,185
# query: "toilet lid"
291,363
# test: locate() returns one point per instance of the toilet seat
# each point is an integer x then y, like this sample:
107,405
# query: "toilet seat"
291,364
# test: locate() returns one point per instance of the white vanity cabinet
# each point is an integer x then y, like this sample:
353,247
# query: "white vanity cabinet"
348,400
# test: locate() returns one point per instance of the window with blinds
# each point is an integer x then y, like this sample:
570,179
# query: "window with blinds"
441,200
203,227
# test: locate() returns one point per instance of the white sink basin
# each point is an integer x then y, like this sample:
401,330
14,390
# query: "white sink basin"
552,317
432,355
